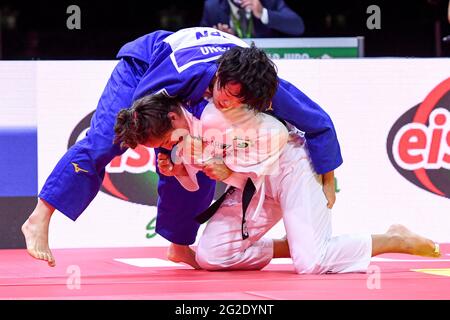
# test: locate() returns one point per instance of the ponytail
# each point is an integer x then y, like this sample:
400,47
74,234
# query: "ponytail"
147,117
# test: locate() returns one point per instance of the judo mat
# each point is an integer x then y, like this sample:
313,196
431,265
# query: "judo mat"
144,273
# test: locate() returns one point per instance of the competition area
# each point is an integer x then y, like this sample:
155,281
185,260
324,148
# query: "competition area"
144,273
392,118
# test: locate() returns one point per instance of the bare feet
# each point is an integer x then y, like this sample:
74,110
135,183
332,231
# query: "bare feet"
35,230
412,243
179,253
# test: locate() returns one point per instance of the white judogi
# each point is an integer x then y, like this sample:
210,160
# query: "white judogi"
287,187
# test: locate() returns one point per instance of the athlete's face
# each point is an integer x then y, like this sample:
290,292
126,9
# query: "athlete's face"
180,128
161,142
226,97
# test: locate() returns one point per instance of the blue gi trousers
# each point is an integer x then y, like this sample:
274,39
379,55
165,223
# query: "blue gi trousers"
78,176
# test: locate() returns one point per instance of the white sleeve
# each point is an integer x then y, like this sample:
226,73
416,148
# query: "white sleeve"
189,182
257,159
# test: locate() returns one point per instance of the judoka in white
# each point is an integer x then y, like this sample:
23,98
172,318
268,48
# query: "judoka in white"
259,147
275,157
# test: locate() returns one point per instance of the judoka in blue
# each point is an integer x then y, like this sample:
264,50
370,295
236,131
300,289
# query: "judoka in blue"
181,64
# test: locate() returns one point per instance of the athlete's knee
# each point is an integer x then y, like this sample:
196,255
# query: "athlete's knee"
214,256
302,267
206,258
310,264
206,262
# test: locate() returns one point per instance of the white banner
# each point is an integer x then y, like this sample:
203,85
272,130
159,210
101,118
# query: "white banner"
17,94
364,97
67,93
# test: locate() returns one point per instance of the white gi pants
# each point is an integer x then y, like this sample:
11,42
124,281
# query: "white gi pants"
296,195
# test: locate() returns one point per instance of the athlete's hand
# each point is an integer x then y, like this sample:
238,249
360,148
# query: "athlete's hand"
329,188
217,170
167,168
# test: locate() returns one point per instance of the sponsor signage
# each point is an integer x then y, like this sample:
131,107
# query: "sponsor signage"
418,144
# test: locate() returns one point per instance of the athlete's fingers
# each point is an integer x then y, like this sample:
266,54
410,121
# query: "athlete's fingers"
165,165
331,197
329,189
165,168
163,156
208,170
166,172
164,162
217,170
330,204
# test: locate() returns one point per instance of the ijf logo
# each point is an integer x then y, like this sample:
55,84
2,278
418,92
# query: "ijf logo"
418,143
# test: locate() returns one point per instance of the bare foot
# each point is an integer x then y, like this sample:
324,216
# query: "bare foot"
179,253
413,243
35,230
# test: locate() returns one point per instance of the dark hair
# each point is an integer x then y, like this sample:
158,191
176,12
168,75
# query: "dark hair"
253,70
146,118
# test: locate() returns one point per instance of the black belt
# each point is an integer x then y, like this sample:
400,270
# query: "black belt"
247,195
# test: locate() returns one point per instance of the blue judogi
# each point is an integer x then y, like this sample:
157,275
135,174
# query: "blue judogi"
181,64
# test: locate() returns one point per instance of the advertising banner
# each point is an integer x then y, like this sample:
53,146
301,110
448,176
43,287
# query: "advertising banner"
392,117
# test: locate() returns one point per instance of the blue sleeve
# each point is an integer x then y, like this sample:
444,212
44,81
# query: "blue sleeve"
184,63
189,84
161,75
292,105
283,19
143,48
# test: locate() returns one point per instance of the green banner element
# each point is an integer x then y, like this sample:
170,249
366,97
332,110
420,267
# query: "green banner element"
309,53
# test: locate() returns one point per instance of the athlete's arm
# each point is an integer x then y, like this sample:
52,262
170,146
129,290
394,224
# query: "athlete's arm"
329,188
292,105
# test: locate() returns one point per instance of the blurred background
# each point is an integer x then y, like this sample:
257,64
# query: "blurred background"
37,29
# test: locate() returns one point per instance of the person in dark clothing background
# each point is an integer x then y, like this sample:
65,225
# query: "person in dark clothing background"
252,18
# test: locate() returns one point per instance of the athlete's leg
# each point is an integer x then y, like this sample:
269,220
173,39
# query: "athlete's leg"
399,239
221,246
307,221
182,254
281,248
308,225
77,177
35,230
177,209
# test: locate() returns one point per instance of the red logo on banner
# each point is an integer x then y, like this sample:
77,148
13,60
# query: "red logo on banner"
131,176
418,143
